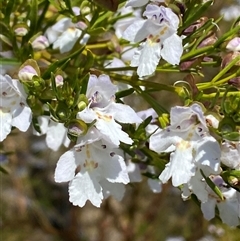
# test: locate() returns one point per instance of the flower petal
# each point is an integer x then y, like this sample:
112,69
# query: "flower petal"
208,209
172,49
66,166
123,113
56,135
146,65
85,187
115,170
5,124
116,190
181,167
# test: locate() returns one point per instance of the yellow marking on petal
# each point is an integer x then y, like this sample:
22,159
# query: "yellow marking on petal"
183,145
90,165
13,103
88,153
164,30
107,118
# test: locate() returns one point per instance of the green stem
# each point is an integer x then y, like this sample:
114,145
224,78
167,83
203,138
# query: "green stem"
221,94
196,53
208,85
97,46
135,82
226,69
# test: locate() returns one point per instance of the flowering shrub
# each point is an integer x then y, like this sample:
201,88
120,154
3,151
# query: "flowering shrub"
67,68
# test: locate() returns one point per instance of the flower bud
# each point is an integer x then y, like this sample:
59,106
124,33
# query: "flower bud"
190,63
28,70
235,82
59,80
228,58
21,29
40,43
234,44
226,125
198,24
26,73
77,128
208,41
62,111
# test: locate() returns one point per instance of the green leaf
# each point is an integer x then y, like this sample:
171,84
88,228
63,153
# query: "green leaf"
96,31
153,103
33,17
8,10
69,6
232,136
212,185
124,93
84,83
103,16
3,170
194,12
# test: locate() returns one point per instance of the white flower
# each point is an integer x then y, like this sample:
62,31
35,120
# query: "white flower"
231,154
14,110
134,172
139,3
228,208
230,13
121,24
64,34
197,184
154,184
193,145
40,43
101,172
159,30
56,133
26,73
103,110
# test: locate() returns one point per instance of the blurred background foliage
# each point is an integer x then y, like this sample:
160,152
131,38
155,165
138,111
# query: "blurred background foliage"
35,208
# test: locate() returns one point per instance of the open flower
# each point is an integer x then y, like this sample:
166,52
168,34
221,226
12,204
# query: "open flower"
159,30
194,147
56,133
101,172
139,3
228,208
64,34
14,110
104,111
